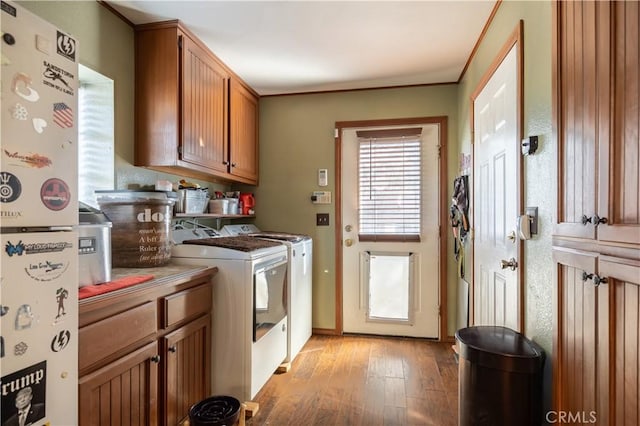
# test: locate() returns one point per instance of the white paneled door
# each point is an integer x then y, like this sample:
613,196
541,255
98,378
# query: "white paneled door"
495,198
390,287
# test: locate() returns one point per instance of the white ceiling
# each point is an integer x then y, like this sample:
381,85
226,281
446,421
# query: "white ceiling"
281,47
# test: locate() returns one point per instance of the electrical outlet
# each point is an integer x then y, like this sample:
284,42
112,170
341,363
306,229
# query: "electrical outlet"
322,219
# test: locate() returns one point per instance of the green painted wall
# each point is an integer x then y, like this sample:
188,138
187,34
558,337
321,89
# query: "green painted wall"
297,139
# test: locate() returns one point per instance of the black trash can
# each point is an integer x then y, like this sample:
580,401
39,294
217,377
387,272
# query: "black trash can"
499,377
220,410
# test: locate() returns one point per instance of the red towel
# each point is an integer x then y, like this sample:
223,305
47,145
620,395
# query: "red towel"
94,290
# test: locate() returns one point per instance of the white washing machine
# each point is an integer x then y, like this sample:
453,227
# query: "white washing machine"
249,324
299,273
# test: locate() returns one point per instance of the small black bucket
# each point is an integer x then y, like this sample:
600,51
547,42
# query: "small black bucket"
217,410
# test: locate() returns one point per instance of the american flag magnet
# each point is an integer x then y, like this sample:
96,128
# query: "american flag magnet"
62,115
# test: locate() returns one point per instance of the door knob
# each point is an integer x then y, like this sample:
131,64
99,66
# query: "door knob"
511,264
348,242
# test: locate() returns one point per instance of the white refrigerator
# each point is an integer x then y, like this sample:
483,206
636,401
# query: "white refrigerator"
38,215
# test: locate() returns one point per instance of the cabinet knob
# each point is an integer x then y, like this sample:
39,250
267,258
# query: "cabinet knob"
173,349
597,280
595,220
155,358
226,163
233,164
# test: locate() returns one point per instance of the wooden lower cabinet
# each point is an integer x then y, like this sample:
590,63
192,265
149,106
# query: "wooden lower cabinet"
187,363
162,365
122,392
598,336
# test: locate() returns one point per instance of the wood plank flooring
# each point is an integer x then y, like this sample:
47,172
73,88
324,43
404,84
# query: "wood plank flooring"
362,380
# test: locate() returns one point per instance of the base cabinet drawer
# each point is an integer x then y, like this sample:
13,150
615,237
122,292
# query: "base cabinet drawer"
106,337
186,304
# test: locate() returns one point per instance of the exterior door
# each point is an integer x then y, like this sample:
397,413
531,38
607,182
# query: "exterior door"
391,287
495,197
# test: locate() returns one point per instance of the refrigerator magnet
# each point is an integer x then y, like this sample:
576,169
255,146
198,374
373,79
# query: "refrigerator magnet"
66,46
61,295
10,188
62,115
1,347
9,39
19,112
60,340
55,194
20,349
56,78
24,389
3,310
21,86
39,125
24,317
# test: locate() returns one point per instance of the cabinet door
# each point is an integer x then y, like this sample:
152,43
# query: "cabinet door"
623,277
244,133
188,368
580,84
581,338
204,108
619,173
123,392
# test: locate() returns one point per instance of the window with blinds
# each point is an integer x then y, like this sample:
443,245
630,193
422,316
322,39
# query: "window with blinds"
390,187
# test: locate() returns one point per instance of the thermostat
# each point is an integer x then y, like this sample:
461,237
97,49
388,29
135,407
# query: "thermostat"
323,178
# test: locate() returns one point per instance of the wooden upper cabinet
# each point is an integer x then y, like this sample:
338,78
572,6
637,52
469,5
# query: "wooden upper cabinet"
244,132
620,159
596,94
204,109
184,109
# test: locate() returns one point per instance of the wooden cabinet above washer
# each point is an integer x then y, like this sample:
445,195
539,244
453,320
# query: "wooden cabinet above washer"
186,101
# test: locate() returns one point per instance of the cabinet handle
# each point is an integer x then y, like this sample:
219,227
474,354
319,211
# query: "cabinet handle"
155,358
226,163
173,349
233,164
586,276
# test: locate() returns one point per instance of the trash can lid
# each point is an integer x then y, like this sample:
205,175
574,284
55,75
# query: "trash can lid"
500,348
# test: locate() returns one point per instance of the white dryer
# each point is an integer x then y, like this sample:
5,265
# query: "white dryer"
299,273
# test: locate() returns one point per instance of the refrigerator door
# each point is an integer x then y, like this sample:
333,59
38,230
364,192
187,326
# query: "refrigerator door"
38,159
39,324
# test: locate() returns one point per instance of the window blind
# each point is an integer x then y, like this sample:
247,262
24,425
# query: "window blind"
390,185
